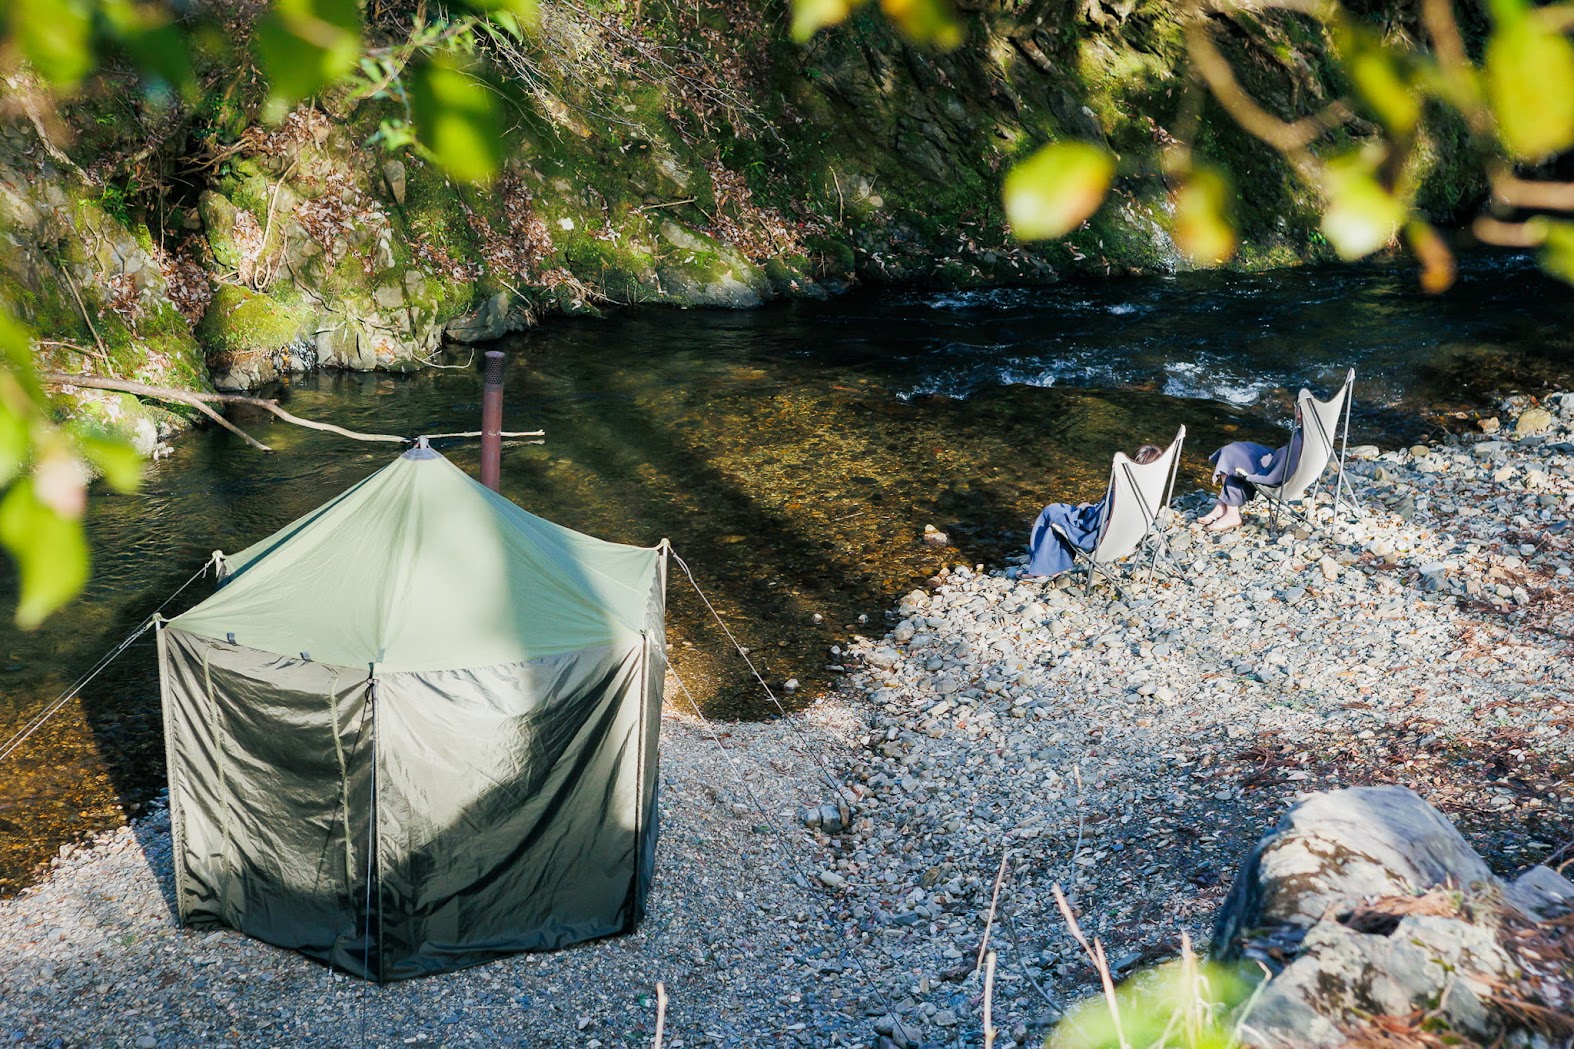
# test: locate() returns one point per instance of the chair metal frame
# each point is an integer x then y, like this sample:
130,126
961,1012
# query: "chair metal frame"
1097,560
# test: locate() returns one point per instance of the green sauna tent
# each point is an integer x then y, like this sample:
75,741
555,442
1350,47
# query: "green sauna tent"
416,729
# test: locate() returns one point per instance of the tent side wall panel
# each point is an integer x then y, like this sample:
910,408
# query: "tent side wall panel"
507,803
270,817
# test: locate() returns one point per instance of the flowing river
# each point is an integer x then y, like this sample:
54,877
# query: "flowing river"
793,455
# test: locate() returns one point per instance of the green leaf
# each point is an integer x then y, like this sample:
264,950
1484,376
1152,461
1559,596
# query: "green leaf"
1530,85
1203,231
508,24
16,351
1557,248
457,118
1179,996
115,458
932,22
810,16
55,36
1052,192
1361,216
15,433
520,14
304,44
50,552
393,134
152,40
1379,79
21,397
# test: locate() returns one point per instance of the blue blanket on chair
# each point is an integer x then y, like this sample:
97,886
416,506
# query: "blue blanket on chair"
1048,554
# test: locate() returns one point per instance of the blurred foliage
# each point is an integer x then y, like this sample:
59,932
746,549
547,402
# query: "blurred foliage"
1517,101
1182,1004
1053,191
930,22
49,51
1530,82
1202,229
44,469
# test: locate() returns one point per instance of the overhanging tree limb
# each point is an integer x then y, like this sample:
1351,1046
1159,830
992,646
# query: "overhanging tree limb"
196,400
201,402
1289,138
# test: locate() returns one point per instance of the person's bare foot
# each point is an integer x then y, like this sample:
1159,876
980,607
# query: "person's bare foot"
1230,518
1212,515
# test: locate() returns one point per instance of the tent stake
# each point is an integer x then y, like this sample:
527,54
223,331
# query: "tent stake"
492,421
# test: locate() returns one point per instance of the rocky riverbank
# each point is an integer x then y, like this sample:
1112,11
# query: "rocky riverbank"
1132,751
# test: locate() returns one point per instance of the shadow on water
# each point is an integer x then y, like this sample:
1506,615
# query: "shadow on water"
792,454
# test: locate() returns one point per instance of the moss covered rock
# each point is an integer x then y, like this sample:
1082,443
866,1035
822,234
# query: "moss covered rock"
697,270
246,334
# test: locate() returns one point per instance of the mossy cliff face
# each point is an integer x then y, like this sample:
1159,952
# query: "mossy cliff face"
688,157
99,292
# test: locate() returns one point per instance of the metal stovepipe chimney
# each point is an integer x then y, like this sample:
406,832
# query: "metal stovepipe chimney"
492,421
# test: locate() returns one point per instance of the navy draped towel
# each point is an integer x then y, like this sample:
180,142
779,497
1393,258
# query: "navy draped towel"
1259,464
1048,554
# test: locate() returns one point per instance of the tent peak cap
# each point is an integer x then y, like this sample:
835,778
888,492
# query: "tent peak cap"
421,449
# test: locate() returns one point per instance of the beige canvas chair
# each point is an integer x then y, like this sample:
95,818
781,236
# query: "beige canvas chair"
1138,492
1321,422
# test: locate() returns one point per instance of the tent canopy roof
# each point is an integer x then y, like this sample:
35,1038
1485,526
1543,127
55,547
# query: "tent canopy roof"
421,568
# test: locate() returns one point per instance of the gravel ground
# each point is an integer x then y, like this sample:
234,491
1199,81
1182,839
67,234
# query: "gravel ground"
1131,751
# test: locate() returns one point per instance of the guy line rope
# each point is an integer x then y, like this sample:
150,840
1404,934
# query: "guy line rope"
781,840
59,703
829,779
737,772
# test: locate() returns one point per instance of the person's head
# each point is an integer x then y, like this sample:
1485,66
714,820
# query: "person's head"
1147,453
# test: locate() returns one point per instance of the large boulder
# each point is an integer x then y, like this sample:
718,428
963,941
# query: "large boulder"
1367,903
1334,849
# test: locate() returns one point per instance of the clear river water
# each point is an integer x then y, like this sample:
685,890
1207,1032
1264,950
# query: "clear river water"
793,455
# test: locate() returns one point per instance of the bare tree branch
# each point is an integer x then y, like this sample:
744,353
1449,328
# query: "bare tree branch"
1522,193
201,401
1443,28
1289,138
1506,234
1449,45
1559,18
197,401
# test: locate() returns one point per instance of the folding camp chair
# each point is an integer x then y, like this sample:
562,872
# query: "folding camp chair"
1138,492
1320,422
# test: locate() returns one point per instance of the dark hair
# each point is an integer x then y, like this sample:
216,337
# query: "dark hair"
1147,453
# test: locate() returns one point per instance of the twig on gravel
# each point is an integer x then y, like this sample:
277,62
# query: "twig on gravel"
661,1012
1095,954
1082,817
989,922
989,993
1016,945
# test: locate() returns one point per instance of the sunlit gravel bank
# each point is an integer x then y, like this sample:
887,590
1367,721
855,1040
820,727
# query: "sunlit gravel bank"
1131,751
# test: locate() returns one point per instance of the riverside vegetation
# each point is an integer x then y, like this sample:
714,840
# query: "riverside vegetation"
1001,732
689,155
